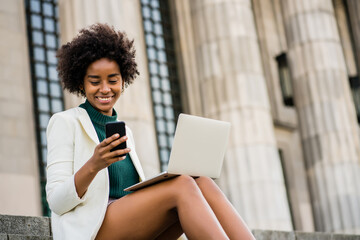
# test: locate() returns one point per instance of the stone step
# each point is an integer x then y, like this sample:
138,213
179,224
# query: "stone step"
281,235
38,228
25,225
26,237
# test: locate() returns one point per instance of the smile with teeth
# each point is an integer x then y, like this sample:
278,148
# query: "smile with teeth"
104,99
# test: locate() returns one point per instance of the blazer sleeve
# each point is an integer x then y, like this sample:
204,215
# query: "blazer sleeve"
60,187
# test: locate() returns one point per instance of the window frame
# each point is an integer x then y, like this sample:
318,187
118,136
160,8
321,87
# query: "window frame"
163,73
43,41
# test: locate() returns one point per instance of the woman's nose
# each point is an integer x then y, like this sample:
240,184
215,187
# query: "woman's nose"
104,88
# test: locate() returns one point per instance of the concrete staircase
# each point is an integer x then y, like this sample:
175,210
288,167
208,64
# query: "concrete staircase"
38,228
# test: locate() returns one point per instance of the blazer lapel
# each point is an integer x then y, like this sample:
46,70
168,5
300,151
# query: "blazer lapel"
86,123
136,162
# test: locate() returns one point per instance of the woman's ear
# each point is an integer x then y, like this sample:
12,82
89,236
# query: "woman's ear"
82,90
123,86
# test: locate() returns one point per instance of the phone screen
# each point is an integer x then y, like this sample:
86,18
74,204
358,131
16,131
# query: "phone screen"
116,127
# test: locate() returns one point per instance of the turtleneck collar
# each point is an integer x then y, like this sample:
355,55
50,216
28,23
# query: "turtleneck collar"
97,117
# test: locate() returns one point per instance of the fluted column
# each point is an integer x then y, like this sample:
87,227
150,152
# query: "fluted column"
134,105
233,89
19,166
329,130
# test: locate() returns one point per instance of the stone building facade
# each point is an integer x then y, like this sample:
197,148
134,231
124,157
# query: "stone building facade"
285,73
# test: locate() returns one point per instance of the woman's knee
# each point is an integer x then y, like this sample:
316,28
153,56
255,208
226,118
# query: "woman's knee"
185,184
207,185
185,181
204,181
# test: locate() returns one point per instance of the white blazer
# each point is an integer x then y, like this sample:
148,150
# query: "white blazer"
71,140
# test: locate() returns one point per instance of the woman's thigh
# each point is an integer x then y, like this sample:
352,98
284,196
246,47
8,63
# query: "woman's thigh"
143,214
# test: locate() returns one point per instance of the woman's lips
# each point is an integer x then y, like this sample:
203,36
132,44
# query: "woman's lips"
104,99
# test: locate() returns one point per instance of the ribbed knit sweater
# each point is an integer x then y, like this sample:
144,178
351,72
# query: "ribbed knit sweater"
122,174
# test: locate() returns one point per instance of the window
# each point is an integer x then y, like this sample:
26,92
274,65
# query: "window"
285,80
164,82
352,16
43,40
355,89
286,182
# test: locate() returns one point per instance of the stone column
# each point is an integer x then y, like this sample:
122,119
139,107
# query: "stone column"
328,125
134,106
233,88
19,166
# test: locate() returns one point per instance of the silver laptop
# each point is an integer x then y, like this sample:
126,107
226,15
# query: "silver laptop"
198,150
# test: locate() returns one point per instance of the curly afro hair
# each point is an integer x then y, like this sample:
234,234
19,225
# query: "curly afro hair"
91,44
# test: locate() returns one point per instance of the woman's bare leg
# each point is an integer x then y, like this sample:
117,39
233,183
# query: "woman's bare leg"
173,232
228,217
146,213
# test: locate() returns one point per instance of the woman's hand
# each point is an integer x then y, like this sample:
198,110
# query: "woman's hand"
101,159
102,156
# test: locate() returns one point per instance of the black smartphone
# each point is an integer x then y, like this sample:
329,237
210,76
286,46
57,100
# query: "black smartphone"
116,127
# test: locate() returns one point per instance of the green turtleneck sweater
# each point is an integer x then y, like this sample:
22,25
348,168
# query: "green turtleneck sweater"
122,174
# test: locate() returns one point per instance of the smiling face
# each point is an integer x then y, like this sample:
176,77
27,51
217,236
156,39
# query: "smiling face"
103,85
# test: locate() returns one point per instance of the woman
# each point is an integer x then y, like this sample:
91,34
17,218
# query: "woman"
85,179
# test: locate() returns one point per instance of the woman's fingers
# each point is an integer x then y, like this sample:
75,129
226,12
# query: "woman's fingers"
103,152
109,140
114,142
115,155
116,159
120,152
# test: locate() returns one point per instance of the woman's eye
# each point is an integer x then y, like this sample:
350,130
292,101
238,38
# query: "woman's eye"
113,81
94,83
